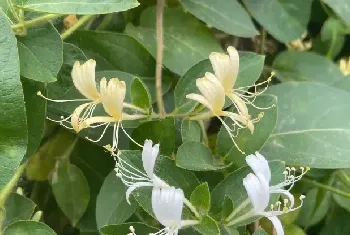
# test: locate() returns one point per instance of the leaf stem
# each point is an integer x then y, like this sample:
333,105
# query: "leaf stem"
159,59
39,20
72,29
326,187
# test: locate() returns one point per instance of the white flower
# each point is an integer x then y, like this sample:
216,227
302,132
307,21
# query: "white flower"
83,76
134,178
258,188
167,205
112,98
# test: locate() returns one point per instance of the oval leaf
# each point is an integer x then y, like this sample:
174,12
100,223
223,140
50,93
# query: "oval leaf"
186,41
290,22
41,53
111,204
226,15
312,127
28,228
190,131
207,226
71,191
77,6
200,198
139,94
196,156
341,7
13,124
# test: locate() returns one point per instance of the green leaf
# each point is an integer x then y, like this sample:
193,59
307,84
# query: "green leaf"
342,182
311,213
232,186
186,40
96,164
247,142
166,170
196,156
13,123
140,95
80,7
200,198
341,7
36,113
312,128
306,66
250,69
333,35
28,228
290,22
228,231
337,225
17,208
71,191
228,16
123,229
40,53
131,57
190,131
111,204
159,131
292,229
260,231
227,207
207,226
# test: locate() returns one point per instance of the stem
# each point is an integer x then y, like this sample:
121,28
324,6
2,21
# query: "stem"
71,30
186,223
238,209
241,218
204,131
191,207
256,225
13,11
326,187
6,191
202,116
159,61
344,177
39,20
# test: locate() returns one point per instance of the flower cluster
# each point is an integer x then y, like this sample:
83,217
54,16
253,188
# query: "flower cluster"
259,188
215,88
111,95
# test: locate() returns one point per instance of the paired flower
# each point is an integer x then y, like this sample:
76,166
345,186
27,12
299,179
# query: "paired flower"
258,188
111,95
133,178
214,89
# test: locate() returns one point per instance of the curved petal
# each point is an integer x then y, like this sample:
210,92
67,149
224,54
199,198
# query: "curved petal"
225,67
83,77
212,90
277,224
112,97
135,186
259,164
240,104
167,205
258,192
76,116
149,156
286,193
201,99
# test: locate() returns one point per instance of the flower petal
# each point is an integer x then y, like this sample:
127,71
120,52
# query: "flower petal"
83,77
201,99
75,119
258,163
286,193
212,90
135,186
112,97
258,192
149,156
167,204
225,67
277,224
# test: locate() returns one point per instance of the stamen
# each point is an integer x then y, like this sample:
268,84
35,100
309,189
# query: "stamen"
101,136
132,230
229,131
130,136
59,101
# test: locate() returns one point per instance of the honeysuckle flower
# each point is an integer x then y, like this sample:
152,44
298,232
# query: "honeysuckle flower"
167,205
133,178
226,71
300,44
83,76
259,190
213,97
112,96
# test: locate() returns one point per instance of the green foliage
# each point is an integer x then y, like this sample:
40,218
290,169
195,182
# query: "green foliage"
56,180
13,123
